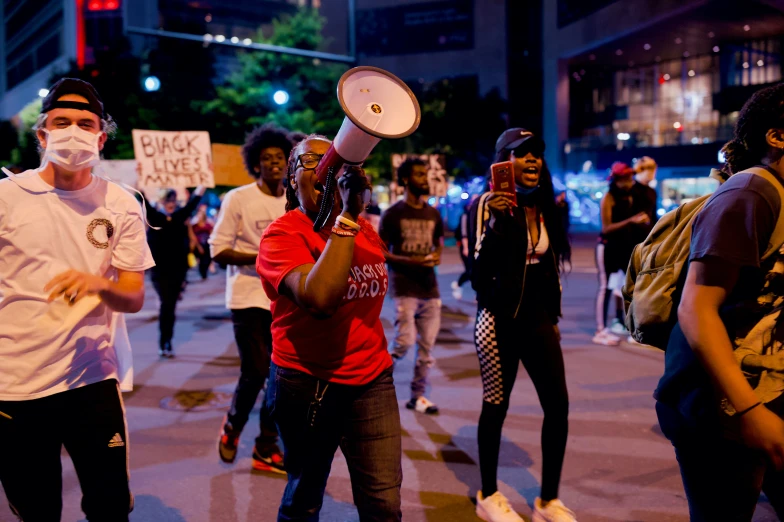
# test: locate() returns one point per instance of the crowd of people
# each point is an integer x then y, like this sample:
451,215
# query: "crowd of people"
305,306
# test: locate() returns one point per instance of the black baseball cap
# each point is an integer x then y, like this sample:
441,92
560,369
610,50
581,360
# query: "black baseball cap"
510,139
73,86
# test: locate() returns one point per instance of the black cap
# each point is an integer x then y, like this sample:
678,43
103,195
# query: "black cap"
513,138
73,86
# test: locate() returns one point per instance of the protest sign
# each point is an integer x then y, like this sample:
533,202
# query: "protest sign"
436,170
173,159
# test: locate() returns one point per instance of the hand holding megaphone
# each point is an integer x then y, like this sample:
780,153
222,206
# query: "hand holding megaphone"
354,187
377,105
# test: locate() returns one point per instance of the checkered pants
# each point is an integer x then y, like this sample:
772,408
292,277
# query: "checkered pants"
486,341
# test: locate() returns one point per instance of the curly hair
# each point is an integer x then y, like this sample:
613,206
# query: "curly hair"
292,201
405,169
749,144
264,137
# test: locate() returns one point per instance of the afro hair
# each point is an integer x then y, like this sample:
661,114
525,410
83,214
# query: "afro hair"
260,138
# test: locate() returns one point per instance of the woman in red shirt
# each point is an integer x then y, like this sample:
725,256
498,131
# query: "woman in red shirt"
331,375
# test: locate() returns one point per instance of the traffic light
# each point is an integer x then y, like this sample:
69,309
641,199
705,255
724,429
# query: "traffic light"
103,5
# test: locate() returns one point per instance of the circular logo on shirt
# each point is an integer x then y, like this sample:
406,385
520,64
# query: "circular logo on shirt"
96,235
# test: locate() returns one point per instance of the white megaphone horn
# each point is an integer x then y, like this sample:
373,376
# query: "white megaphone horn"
377,105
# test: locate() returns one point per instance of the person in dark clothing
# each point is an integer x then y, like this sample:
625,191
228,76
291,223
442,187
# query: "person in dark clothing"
202,226
462,235
720,400
628,214
521,248
170,246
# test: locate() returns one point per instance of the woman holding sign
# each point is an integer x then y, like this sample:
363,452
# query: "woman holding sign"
331,376
170,246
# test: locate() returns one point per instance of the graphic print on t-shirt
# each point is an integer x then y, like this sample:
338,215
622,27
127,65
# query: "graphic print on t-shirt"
96,235
369,280
417,236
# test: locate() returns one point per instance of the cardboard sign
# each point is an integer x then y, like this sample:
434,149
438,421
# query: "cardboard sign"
173,159
436,171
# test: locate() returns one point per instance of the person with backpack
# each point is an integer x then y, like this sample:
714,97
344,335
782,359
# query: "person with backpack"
720,399
627,215
520,250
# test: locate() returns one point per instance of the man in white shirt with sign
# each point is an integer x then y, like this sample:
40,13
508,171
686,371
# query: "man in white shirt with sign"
72,258
245,213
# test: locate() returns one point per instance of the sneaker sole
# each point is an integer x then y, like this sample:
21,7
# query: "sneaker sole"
480,512
259,465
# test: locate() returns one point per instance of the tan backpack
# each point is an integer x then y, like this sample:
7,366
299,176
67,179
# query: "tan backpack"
655,278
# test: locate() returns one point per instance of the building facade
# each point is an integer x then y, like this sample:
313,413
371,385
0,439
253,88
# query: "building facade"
663,78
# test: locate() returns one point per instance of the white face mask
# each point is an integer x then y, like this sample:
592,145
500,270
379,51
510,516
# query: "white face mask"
72,148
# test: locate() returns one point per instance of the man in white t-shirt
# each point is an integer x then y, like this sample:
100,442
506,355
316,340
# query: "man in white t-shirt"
72,258
245,213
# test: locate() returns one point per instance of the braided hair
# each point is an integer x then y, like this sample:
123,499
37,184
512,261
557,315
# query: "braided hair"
749,145
292,201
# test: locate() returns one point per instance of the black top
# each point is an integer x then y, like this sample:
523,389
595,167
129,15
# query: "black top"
621,243
410,231
170,245
500,267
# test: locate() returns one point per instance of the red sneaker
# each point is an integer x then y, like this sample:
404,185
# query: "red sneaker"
227,445
268,459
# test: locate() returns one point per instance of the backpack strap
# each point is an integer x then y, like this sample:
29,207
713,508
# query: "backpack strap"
777,237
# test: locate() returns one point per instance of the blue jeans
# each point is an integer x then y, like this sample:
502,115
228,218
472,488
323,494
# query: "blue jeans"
722,478
417,316
314,418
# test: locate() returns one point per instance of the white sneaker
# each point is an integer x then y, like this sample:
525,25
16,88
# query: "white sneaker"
495,508
555,511
606,338
422,405
457,292
618,328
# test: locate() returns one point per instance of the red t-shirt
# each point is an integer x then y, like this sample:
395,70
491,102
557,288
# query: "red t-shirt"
347,348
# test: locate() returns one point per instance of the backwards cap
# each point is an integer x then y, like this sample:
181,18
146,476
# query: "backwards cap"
73,86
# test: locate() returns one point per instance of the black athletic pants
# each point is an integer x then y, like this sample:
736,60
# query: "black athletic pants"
90,423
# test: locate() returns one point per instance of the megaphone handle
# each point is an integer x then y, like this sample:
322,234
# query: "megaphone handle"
327,201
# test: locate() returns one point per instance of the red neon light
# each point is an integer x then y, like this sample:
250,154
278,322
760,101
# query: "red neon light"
103,5
80,37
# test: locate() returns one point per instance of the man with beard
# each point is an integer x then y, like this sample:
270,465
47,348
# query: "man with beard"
414,234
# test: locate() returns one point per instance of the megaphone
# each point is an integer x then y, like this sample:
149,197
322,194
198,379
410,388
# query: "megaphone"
378,105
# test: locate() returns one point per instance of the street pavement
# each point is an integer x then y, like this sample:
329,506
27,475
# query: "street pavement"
618,465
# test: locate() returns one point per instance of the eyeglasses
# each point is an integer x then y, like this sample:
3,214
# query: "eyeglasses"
309,160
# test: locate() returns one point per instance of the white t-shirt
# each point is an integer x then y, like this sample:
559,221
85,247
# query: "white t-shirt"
245,213
48,348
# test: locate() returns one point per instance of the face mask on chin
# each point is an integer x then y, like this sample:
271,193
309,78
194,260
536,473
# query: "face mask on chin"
72,148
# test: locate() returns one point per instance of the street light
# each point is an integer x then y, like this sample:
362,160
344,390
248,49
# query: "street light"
280,97
43,93
152,84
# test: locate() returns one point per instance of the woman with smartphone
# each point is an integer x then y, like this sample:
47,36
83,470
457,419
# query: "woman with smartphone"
521,248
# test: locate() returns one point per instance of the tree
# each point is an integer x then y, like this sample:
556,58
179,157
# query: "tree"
246,98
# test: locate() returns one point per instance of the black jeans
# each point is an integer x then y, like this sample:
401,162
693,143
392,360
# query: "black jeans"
501,342
722,478
254,342
168,288
90,423
204,260
362,420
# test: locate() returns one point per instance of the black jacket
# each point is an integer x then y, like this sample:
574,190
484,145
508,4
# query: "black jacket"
499,269
171,244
